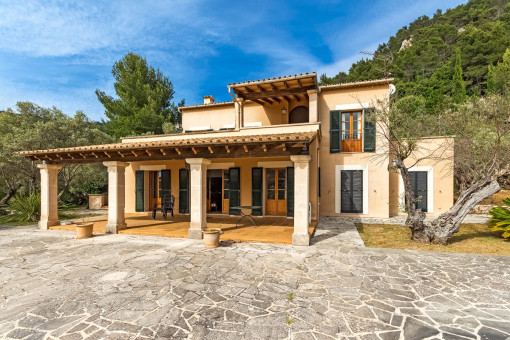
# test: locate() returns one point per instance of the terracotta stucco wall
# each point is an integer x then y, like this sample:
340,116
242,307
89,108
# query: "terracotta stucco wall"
376,164
441,165
215,117
271,114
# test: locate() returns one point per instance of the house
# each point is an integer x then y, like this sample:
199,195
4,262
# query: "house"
284,146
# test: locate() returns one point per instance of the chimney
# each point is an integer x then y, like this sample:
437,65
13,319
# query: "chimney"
208,99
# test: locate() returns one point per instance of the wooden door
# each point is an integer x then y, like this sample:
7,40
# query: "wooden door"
225,205
352,132
276,201
154,188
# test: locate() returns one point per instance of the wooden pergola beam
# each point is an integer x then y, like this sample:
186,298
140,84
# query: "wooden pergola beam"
279,93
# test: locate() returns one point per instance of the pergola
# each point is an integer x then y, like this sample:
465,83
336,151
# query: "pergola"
197,149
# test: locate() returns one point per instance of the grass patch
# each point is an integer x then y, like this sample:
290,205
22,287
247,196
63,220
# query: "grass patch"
497,198
471,238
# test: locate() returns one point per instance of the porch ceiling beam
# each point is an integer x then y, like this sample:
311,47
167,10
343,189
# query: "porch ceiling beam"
81,155
258,101
299,83
163,152
210,149
194,150
280,93
267,101
107,154
178,151
94,154
276,99
148,152
261,89
295,97
248,89
71,156
134,153
275,148
273,86
287,99
285,84
306,96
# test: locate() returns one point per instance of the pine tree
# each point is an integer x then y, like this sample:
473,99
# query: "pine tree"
498,79
458,85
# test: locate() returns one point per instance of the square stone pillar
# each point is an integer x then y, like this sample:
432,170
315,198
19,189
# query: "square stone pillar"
198,192
313,106
49,195
116,196
301,237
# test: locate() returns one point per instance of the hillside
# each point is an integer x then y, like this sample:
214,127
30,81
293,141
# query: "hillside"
426,57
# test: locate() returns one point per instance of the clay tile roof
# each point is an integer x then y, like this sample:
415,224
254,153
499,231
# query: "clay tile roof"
63,154
381,81
274,79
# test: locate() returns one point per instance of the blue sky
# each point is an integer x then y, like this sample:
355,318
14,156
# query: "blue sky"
57,53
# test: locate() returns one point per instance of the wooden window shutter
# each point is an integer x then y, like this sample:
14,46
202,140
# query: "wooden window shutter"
234,175
290,192
256,190
419,184
334,131
166,189
183,191
351,191
368,131
139,192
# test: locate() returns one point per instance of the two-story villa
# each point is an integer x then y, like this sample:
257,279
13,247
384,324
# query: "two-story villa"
283,146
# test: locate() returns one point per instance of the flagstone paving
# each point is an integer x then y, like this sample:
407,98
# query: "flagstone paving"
53,286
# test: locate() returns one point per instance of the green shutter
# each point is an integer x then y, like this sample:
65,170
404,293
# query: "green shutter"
290,192
139,179
234,175
183,191
256,190
334,131
368,131
166,187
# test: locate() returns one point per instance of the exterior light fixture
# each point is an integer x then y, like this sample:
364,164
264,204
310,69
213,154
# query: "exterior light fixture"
394,163
284,111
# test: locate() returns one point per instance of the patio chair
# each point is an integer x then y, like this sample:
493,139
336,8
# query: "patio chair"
167,205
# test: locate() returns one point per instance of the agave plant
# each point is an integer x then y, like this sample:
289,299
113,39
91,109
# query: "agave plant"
500,220
24,208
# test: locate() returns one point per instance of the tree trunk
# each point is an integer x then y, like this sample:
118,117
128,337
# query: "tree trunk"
12,191
442,228
415,217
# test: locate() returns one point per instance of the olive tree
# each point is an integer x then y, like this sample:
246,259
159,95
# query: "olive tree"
480,131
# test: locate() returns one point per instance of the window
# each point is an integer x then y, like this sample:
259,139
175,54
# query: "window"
351,132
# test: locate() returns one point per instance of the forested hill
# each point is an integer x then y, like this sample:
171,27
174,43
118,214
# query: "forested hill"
426,57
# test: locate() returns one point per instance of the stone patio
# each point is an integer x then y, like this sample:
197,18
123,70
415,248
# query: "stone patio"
53,286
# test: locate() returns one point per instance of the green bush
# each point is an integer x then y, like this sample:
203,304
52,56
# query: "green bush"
24,208
500,220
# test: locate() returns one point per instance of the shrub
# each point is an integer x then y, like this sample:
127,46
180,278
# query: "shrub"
500,220
24,208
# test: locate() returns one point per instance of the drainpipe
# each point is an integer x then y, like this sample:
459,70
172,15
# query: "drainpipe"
237,106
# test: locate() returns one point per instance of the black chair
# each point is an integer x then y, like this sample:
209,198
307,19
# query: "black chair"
167,205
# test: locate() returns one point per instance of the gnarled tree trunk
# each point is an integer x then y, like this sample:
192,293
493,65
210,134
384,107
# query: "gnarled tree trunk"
448,223
10,194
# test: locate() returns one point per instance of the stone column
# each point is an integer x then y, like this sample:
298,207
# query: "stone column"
301,237
198,210
313,108
116,196
49,195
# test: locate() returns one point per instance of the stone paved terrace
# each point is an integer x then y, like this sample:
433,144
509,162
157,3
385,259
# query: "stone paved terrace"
53,286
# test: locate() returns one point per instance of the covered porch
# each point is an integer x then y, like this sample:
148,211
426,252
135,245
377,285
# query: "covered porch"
269,229
246,152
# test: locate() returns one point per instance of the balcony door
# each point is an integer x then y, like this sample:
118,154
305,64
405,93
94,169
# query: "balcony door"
276,200
352,132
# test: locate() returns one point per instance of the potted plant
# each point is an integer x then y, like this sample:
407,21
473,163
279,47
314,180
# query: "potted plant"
212,237
84,229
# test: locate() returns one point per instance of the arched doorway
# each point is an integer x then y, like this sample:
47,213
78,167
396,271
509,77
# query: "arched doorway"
298,115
